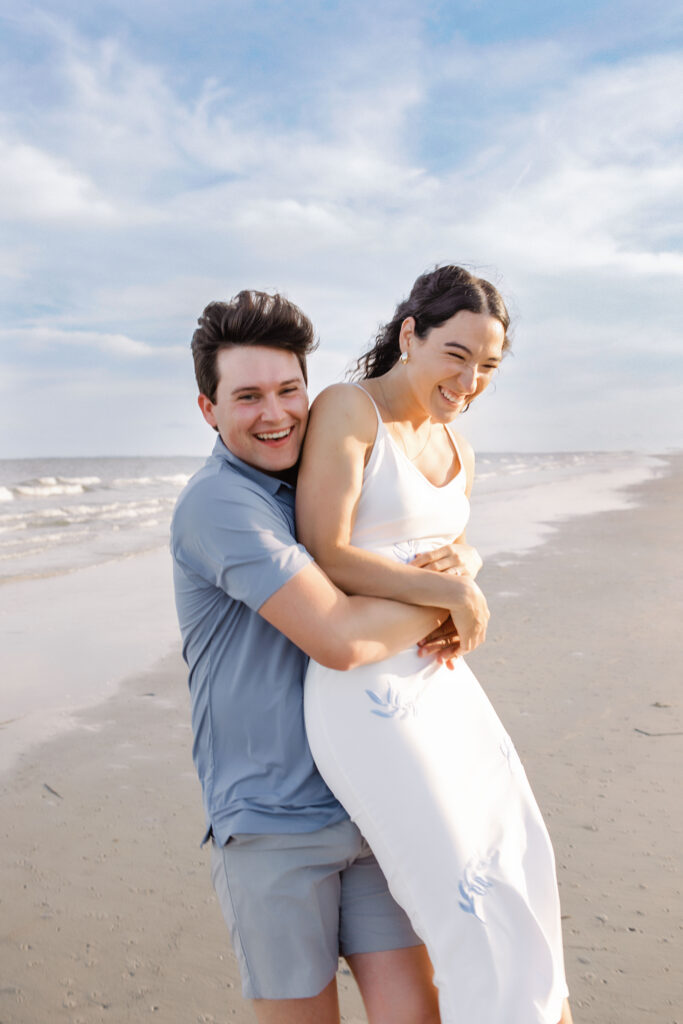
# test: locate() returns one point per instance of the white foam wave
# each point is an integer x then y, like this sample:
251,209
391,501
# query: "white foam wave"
47,490
132,512
178,479
48,486
6,494
85,481
13,517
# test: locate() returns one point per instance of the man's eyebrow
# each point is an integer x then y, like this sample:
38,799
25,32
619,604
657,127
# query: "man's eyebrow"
457,344
257,387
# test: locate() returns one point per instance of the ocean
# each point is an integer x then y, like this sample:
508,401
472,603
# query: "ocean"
57,515
86,593
60,515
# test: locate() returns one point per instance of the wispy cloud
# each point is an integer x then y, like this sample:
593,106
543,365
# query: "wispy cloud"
39,339
37,186
145,186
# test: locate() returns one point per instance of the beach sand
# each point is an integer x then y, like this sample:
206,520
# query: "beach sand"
107,912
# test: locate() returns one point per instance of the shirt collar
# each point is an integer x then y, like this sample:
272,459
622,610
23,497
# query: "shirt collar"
272,484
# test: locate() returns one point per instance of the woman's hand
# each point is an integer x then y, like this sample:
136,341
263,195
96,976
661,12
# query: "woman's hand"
470,614
456,558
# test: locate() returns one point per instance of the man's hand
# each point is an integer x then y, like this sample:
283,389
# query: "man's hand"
443,642
455,558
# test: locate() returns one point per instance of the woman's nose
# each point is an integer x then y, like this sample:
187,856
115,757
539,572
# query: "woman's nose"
467,378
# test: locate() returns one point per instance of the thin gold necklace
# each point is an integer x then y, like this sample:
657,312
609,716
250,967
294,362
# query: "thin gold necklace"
402,442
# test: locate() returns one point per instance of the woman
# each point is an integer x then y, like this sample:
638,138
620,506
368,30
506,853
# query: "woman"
415,752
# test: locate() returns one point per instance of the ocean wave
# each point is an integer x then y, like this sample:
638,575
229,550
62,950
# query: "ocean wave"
178,479
134,513
14,517
54,486
84,481
49,486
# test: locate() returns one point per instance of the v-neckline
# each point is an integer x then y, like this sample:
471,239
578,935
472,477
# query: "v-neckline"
397,447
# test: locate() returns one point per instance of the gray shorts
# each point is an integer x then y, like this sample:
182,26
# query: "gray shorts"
295,903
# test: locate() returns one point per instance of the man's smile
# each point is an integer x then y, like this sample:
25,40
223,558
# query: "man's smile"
274,435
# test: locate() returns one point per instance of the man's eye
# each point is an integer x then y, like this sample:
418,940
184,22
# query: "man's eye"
247,398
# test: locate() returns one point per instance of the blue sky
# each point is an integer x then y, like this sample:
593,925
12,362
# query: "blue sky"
153,158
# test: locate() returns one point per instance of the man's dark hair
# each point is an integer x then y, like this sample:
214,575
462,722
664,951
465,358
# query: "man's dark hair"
250,318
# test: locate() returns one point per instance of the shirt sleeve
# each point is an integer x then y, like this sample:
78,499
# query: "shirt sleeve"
237,538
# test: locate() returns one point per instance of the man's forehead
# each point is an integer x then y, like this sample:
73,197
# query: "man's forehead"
245,366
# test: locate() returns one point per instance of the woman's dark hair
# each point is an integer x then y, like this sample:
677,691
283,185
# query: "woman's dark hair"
250,318
435,297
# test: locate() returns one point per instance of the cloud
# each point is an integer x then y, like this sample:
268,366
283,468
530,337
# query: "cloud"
36,339
589,177
337,172
37,186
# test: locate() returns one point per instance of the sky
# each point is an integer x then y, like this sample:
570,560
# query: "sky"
157,156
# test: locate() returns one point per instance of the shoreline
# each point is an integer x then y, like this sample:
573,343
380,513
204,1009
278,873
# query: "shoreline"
107,906
99,624
95,627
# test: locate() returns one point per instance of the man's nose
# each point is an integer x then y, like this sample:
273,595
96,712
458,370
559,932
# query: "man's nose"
273,409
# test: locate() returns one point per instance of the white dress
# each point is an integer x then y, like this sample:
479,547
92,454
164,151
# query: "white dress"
421,762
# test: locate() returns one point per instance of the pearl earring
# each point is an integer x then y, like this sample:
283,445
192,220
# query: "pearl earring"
404,357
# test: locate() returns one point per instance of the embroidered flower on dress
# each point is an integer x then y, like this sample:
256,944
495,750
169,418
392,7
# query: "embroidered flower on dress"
475,884
406,551
392,702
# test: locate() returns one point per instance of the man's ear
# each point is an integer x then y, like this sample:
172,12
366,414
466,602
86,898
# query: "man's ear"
206,406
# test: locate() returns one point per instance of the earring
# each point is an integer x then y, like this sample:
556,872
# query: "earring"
404,357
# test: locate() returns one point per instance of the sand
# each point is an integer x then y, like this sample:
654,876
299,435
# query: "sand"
107,913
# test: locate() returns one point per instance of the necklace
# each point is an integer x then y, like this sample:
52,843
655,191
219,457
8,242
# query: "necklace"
400,439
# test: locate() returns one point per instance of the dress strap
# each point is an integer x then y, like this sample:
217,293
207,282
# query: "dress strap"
354,384
456,446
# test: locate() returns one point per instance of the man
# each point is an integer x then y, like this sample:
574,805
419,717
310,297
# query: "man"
297,884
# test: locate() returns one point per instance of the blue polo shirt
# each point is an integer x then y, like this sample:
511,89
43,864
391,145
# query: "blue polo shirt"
233,546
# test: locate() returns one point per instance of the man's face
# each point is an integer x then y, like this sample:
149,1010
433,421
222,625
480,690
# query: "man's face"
261,406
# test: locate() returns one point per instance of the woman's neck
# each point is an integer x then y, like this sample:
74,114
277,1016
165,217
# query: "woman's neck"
398,401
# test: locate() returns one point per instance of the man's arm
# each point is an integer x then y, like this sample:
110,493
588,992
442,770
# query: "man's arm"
343,632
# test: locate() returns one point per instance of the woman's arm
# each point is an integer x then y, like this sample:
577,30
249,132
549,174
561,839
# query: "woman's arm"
340,435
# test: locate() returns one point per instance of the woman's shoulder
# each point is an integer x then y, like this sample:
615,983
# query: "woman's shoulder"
346,407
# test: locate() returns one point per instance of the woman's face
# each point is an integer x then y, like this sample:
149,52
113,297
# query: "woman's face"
453,363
